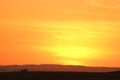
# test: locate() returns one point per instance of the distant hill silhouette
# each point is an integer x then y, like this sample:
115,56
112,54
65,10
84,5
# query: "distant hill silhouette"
68,68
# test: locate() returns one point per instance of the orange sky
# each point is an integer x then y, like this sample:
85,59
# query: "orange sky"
69,32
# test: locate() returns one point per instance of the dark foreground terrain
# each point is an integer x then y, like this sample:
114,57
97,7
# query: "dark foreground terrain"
59,76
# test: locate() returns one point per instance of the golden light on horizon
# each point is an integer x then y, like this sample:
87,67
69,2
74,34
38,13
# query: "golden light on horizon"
73,53
71,62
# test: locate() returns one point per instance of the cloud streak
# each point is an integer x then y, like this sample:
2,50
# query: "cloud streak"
104,3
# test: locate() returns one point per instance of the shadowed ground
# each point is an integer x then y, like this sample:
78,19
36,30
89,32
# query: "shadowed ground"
59,76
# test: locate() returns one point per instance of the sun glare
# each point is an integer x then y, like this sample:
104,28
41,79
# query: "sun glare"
72,43
74,52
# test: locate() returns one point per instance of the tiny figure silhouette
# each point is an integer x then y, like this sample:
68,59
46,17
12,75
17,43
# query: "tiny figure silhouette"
24,70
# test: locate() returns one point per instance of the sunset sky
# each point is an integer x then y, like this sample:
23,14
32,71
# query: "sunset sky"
68,32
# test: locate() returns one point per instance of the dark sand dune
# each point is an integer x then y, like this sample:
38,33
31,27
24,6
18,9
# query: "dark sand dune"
58,72
67,68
